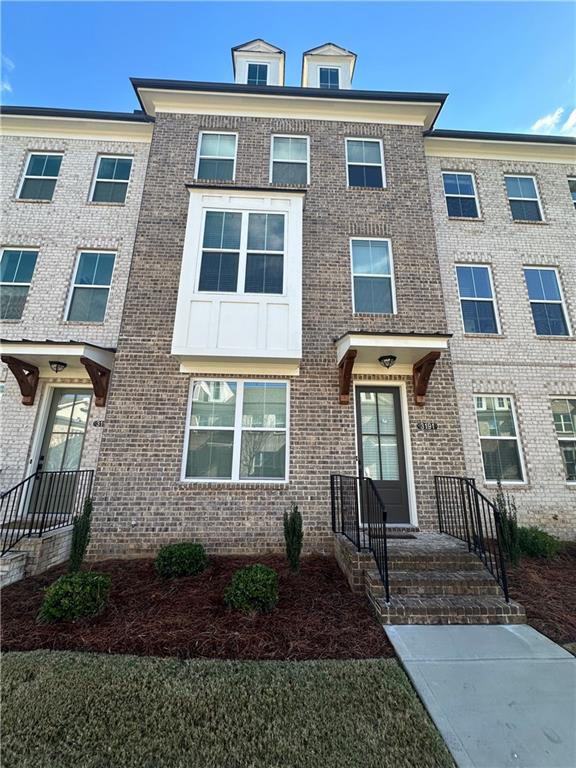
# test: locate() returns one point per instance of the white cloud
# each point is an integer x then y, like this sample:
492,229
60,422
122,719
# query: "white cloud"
7,67
547,123
569,127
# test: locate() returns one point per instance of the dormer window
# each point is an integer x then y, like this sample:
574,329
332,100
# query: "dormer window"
257,74
329,77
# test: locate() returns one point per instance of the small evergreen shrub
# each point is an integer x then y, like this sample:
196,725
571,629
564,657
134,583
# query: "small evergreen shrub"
537,543
80,537
293,536
509,524
253,589
183,559
75,595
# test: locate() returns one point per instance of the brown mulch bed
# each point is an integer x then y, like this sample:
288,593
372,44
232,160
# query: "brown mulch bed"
317,617
547,590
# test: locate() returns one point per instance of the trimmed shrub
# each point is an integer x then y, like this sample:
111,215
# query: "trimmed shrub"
293,536
75,595
537,543
184,559
509,524
80,537
253,589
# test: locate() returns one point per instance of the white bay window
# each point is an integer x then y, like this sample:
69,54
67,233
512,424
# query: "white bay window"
237,431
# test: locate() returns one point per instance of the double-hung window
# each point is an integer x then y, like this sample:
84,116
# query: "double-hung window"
564,412
523,198
242,243
329,77
111,179
460,193
476,299
16,270
238,430
289,160
572,188
257,74
91,286
364,162
372,276
498,438
546,301
40,176
216,159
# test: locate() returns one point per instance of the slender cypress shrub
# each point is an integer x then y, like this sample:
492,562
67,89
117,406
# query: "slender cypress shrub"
509,524
293,536
80,537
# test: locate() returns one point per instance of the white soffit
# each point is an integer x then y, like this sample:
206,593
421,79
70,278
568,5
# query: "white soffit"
407,349
435,146
41,354
303,107
75,128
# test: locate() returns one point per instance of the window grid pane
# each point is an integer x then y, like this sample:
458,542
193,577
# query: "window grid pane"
16,270
216,156
460,195
238,431
546,302
40,177
498,438
523,198
257,74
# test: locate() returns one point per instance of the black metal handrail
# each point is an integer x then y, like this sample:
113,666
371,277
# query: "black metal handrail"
42,502
466,514
348,494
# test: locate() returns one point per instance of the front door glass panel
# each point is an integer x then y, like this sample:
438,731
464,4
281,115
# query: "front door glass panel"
65,430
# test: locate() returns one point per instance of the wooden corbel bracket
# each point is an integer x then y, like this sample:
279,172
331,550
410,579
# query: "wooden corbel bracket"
26,375
345,367
421,373
100,378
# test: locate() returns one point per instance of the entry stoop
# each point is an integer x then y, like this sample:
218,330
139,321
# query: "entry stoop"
434,579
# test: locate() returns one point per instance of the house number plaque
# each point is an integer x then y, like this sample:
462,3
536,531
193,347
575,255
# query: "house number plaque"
99,423
427,426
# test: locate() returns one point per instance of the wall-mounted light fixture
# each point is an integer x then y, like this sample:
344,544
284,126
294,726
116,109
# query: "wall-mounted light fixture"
57,365
387,361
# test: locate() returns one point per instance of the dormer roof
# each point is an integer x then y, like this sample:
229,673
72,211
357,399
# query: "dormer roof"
324,55
260,51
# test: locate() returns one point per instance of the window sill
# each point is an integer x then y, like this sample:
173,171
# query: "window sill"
520,484
465,218
527,221
101,202
36,202
227,485
97,323
554,338
484,336
11,321
365,189
373,314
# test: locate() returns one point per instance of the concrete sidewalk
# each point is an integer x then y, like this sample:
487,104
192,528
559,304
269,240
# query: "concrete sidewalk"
500,695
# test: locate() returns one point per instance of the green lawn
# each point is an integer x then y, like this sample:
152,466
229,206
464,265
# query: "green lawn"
83,710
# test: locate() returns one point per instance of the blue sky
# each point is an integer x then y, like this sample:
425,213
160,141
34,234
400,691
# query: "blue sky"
506,66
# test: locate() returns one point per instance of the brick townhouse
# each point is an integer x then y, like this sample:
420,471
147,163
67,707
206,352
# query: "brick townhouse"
320,283
71,188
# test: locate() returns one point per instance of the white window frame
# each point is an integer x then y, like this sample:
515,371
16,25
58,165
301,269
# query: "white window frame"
73,285
362,274
562,301
530,199
298,162
330,66
524,479
474,196
559,437
572,178
260,64
3,283
375,165
242,252
212,157
25,176
110,181
237,429
472,298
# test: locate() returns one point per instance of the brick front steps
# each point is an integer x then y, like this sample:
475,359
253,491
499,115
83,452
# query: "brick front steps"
433,580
